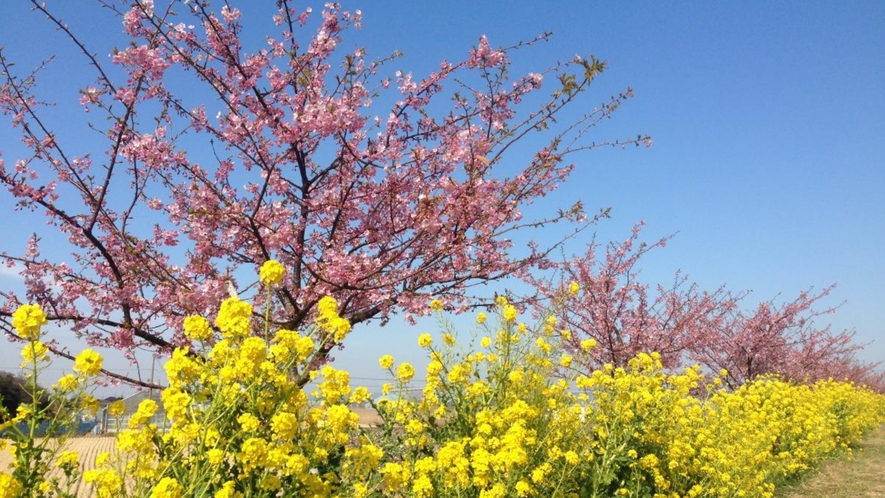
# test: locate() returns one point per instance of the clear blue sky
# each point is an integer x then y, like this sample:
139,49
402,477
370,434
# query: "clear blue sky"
768,123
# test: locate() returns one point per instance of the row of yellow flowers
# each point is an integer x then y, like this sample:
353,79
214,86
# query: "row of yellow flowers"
501,414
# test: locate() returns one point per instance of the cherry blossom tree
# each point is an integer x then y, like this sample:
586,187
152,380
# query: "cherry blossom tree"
781,339
614,308
213,156
687,325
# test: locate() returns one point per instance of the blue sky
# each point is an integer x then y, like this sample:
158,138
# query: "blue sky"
767,118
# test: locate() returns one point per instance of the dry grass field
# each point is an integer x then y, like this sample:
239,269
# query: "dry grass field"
863,476
368,417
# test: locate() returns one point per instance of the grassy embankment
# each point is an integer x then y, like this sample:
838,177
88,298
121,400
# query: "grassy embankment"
860,476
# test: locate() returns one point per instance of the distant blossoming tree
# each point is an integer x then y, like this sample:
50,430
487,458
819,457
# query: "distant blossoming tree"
783,339
373,186
687,325
614,307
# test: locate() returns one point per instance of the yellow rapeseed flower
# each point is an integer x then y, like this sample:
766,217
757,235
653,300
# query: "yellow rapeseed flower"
327,305
102,459
436,305
425,340
253,453
68,459
108,483
434,368
386,361
574,288
168,487
89,403
396,475
529,433
27,320
34,352
234,318
272,272
481,318
146,410
405,372
248,422
117,408
175,402
67,383
329,320
88,363
197,328
360,395
23,412
270,483
228,490
215,456
284,425
10,485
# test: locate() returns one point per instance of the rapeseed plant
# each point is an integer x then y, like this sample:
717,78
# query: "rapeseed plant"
502,413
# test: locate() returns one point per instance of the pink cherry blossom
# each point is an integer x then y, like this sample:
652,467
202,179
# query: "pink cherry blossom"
687,325
217,154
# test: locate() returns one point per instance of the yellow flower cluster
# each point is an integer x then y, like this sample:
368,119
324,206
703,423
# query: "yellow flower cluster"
489,423
35,352
329,321
88,363
272,272
507,420
11,486
684,437
27,321
68,459
117,408
197,328
53,414
234,318
241,425
510,418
